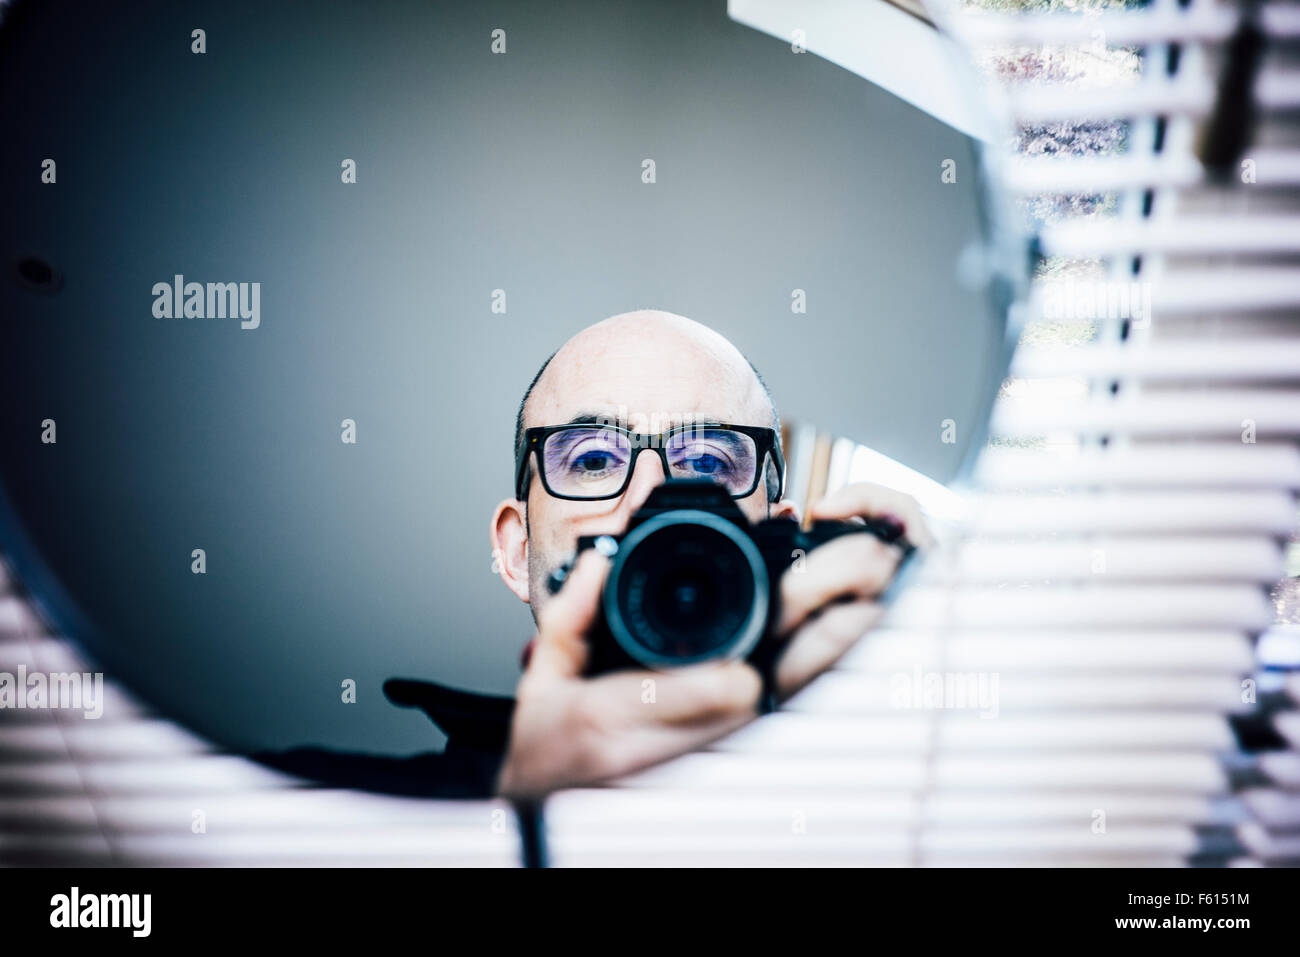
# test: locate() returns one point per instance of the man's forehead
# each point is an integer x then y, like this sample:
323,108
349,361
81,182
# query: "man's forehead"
671,379
631,407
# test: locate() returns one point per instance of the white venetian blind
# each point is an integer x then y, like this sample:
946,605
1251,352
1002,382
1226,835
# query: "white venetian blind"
124,789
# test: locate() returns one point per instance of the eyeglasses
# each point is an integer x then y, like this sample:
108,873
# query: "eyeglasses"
589,462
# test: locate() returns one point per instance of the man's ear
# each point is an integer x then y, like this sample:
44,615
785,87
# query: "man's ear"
509,535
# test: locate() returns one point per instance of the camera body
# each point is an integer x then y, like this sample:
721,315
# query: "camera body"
691,579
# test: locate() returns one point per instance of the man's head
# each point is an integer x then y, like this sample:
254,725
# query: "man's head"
646,370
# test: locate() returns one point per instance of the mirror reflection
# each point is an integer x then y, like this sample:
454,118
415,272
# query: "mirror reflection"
479,398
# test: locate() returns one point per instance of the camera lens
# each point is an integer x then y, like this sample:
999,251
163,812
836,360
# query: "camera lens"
686,586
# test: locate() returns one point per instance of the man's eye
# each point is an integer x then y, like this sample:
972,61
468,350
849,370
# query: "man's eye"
706,464
592,462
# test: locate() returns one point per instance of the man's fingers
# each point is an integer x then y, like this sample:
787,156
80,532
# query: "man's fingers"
650,743
821,642
698,694
634,719
872,501
852,566
581,732
560,648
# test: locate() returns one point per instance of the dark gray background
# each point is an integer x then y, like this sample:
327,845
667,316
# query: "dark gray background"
775,171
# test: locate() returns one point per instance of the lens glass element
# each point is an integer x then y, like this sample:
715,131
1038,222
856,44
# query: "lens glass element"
686,591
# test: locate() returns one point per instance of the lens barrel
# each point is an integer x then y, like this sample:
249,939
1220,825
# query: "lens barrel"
686,585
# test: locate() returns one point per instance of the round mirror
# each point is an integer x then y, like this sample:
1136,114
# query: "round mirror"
277,280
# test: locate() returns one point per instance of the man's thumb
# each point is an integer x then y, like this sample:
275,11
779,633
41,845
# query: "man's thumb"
560,647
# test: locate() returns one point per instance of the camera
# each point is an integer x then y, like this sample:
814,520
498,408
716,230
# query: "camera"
691,579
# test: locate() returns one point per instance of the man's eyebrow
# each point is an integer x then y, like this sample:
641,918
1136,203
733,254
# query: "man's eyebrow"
592,418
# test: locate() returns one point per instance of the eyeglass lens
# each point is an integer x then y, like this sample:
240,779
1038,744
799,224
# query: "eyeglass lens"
591,461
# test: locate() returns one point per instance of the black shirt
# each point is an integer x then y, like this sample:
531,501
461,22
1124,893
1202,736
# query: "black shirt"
477,728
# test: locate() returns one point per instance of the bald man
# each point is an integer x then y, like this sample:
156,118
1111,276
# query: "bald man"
564,729
658,367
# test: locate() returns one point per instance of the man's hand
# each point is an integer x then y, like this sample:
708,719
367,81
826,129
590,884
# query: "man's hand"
829,603
570,730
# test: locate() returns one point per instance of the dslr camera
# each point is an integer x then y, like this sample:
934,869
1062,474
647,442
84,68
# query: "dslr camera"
691,579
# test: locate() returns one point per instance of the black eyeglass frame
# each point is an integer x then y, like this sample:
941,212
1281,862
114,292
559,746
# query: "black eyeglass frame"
764,438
